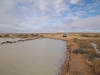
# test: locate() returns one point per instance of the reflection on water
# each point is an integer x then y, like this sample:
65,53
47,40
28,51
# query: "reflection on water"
36,57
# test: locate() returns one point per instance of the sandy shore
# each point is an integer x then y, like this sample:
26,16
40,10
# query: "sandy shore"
75,64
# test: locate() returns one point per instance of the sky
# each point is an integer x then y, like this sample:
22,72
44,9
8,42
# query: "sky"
40,16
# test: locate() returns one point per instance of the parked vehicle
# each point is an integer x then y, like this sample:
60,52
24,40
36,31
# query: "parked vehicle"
64,35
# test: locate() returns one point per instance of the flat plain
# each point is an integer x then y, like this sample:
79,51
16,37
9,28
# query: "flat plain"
83,50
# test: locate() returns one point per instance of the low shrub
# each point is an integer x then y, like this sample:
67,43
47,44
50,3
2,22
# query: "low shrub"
96,36
6,35
85,35
41,36
75,39
79,50
89,57
0,36
98,55
35,34
91,52
32,34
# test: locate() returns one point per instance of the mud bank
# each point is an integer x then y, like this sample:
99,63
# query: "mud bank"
65,66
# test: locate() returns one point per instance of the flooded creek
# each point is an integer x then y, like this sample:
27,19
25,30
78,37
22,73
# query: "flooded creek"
35,57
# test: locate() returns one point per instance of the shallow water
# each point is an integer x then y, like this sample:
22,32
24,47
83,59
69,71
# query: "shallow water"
8,39
95,47
36,57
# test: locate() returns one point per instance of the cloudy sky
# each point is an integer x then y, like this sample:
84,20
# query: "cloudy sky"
49,15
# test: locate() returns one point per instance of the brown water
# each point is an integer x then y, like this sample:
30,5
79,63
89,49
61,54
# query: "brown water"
36,57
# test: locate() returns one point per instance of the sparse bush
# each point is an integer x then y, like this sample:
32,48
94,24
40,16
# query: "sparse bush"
26,34
98,55
96,36
41,36
0,36
79,50
6,35
85,35
35,34
20,35
75,39
53,35
91,52
89,57
75,51
32,34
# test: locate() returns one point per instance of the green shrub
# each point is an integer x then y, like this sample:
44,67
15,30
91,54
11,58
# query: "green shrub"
79,50
75,39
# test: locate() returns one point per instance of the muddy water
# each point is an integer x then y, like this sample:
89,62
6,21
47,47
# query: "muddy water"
36,57
8,39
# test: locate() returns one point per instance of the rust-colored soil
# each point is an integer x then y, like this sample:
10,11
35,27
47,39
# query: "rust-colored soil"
78,64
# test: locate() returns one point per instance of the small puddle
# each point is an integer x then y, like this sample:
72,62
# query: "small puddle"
35,57
95,47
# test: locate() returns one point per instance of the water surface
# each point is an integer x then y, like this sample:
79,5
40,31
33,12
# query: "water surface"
8,39
95,47
36,57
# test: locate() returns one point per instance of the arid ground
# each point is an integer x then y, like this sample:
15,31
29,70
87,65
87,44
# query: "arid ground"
83,51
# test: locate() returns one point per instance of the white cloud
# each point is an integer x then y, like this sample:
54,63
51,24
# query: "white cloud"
75,1
91,23
34,15
92,11
52,7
